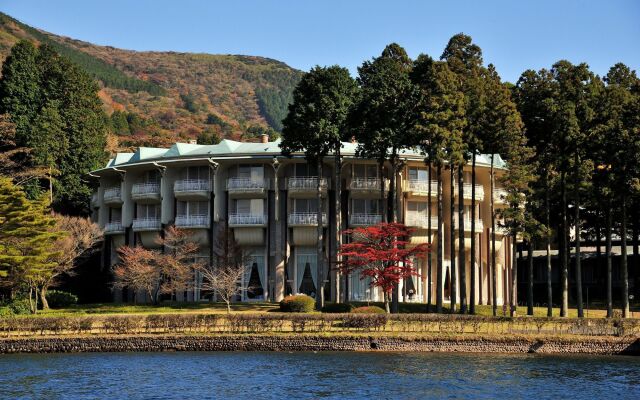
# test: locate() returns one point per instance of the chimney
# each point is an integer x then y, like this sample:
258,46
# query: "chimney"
264,138
193,141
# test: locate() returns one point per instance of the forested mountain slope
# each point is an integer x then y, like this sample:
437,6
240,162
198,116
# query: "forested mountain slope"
155,98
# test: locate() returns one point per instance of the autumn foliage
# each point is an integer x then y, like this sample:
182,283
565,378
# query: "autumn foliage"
381,253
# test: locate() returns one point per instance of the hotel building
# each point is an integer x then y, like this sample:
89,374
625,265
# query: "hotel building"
270,203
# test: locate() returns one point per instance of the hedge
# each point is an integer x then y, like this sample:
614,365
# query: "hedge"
286,322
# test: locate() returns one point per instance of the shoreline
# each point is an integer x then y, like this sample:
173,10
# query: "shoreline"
315,342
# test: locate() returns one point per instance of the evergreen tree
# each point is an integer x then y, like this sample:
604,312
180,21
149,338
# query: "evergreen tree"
316,125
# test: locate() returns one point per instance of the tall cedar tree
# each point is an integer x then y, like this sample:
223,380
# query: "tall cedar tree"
380,253
465,59
316,125
501,126
384,117
56,109
532,93
439,128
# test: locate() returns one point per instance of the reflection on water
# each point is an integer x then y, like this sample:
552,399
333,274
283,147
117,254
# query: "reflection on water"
317,375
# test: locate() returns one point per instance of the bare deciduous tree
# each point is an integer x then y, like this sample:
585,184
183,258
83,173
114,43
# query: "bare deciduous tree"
230,264
138,270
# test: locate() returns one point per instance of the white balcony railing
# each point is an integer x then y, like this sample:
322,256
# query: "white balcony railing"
192,221
421,220
307,183
467,189
140,224
113,227
145,188
422,186
306,219
112,194
467,224
247,184
499,195
365,219
191,185
247,219
367,184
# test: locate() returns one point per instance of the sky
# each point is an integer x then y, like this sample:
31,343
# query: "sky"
514,35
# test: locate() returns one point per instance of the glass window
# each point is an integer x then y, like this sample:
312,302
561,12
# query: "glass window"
420,174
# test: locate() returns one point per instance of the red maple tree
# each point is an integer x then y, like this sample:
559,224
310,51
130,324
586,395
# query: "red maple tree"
381,252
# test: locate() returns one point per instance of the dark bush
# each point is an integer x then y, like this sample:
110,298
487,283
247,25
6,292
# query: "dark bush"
366,321
297,303
368,310
337,308
125,324
60,299
19,307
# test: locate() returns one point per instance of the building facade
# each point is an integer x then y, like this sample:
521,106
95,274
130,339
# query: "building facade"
270,202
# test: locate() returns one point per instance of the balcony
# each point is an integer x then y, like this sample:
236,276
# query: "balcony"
192,221
467,189
247,220
367,187
247,187
192,189
306,219
420,220
146,192
114,228
357,219
499,196
307,186
146,224
467,225
421,188
112,196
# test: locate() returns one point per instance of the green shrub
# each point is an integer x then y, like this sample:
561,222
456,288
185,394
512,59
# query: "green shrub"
368,310
60,299
297,303
337,308
19,307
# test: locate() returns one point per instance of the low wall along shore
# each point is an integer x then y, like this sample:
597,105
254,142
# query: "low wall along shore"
306,342
318,332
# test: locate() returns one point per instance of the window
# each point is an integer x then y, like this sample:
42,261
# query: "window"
305,205
365,171
255,172
193,208
306,169
197,173
418,174
152,176
365,206
249,206
417,206
147,211
306,272
115,215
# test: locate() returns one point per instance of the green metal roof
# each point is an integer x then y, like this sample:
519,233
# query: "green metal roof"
232,148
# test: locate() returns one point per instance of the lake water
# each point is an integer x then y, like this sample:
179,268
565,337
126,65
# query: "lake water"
317,375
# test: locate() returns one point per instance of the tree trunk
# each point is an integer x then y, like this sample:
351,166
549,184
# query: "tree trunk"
461,258
452,251
386,302
43,298
320,265
228,306
547,210
439,260
623,259
564,308
636,249
472,256
514,276
493,243
395,296
337,188
429,262
530,278
578,253
609,262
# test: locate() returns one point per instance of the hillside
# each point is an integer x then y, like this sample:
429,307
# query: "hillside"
155,98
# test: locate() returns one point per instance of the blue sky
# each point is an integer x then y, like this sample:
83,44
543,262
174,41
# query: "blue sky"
514,35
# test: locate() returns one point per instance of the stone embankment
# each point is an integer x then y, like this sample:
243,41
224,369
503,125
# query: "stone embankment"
310,342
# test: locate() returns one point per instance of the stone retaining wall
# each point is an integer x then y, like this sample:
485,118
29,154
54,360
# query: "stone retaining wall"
317,343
